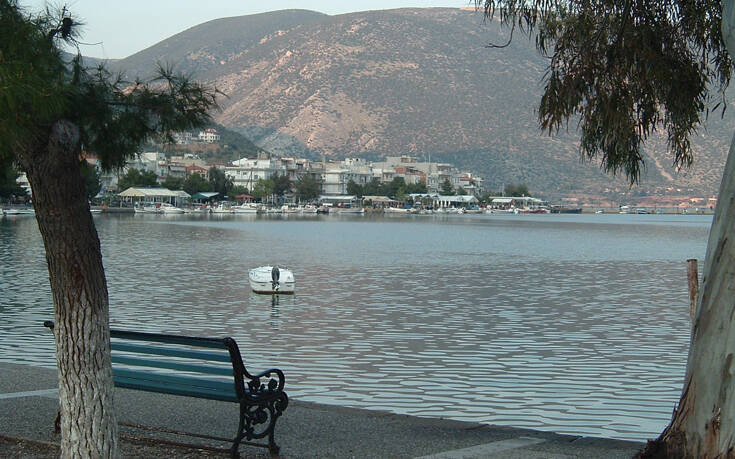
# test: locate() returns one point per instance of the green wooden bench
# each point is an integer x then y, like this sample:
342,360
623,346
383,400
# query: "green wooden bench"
194,367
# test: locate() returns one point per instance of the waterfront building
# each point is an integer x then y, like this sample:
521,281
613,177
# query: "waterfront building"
337,176
453,201
149,196
517,202
296,167
333,182
247,172
469,182
340,200
430,173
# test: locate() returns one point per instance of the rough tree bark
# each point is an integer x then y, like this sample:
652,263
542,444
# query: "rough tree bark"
703,425
79,289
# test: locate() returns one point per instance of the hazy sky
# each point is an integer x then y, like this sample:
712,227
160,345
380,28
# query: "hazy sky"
126,27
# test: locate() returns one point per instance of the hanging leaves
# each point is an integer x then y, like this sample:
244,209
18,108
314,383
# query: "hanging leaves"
624,70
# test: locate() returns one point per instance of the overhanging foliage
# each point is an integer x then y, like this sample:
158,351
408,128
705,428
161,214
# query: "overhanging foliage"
37,88
626,69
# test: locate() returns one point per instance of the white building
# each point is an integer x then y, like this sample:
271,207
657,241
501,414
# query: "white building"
453,201
23,182
183,137
472,184
108,179
247,172
153,161
336,176
189,159
295,167
209,136
430,173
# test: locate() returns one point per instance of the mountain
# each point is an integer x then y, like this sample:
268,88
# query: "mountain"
420,82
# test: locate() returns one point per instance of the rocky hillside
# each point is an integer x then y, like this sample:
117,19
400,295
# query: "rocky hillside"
406,81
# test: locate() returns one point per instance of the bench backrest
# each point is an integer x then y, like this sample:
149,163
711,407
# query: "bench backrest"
189,364
181,365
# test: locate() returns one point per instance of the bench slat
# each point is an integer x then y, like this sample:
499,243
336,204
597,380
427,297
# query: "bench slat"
171,339
171,352
127,383
166,383
153,363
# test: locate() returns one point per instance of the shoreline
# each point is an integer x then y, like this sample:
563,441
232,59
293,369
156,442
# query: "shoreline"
585,210
306,429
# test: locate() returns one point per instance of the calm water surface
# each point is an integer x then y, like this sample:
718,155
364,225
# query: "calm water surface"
572,323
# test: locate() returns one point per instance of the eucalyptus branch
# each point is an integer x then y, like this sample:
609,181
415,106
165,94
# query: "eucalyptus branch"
510,39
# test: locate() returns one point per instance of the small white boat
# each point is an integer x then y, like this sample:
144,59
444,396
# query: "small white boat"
395,210
167,208
286,209
245,209
271,279
148,209
351,210
223,210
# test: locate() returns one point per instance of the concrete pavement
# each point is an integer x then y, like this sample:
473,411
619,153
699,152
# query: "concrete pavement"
28,404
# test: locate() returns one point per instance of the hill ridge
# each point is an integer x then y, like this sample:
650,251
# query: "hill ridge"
414,81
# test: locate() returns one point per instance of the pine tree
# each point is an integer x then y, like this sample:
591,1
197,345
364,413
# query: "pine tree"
49,109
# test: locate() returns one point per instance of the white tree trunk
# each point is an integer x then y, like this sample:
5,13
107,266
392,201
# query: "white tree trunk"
88,425
703,425
79,289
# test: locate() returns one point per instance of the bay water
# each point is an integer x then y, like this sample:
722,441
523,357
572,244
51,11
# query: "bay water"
576,324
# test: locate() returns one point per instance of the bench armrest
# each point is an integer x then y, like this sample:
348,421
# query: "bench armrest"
275,384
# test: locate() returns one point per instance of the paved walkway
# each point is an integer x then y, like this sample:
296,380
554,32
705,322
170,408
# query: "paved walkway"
29,398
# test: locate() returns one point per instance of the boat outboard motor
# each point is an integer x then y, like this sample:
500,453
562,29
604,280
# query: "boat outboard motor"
275,275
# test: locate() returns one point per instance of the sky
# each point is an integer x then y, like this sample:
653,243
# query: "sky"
115,30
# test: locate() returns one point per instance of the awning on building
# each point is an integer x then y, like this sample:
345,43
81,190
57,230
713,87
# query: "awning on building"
134,192
336,199
379,199
204,195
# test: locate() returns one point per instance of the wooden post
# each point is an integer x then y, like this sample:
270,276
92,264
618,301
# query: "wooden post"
693,279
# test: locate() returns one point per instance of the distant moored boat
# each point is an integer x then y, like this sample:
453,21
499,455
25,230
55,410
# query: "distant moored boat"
271,279
565,210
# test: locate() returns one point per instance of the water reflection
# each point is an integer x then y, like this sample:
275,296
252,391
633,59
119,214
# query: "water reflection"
573,324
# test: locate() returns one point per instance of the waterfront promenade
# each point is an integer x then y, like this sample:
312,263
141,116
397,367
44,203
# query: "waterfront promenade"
28,403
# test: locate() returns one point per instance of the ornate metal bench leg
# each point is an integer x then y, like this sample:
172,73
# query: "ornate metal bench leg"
272,447
240,435
276,410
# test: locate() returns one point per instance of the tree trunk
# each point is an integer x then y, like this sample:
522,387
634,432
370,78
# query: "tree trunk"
703,425
79,289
